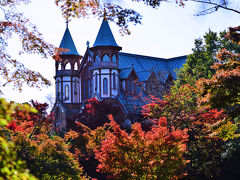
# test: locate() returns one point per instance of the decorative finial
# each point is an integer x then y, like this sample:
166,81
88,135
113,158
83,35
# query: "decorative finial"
87,43
67,21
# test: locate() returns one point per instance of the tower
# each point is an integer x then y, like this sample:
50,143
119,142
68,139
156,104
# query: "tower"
67,80
105,64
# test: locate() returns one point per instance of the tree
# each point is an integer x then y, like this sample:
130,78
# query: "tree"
199,63
222,90
11,167
96,113
156,154
122,16
31,145
207,129
211,6
14,23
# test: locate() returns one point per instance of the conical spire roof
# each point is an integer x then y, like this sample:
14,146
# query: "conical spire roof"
67,43
105,36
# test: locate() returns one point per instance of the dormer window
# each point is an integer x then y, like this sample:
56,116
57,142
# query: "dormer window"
114,58
105,58
130,86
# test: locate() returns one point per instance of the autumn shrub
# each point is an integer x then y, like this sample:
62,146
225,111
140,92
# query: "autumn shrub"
96,113
207,128
156,154
47,156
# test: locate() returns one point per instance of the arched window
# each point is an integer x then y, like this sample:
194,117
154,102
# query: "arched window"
89,88
129,86
114,58
105,86
97,58
105,58
68,66
66,92
75,86
114,80
84,89
58,88
59,67
59,117
75,66
132,88
96,82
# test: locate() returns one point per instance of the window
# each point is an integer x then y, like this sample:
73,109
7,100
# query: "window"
105,58
129,86
59,117
114,58
89,88
75,86
96,81
84,89
58,88
132,88
114,80
59,67
68,66
75,66
97,58
66,92
105,86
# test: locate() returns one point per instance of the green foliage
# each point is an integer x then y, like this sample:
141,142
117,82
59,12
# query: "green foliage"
48,158
178,106
222,90
11,167
198,64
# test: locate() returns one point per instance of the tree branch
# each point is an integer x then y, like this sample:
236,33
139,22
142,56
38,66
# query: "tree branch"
216,5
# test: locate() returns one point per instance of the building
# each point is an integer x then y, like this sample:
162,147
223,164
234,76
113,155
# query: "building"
107,74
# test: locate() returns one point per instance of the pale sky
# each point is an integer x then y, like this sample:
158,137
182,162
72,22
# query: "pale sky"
168,31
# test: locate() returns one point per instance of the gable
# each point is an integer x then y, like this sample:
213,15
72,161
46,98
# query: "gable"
126,72
86,61
144,75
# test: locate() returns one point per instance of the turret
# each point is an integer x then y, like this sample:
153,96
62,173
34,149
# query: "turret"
67,80
105,62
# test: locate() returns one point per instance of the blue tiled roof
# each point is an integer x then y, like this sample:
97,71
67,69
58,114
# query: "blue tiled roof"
144,75
124,73
67,43
175,64
105,36
144,65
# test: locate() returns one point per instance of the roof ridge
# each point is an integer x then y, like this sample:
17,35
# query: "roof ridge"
153,57
138,55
